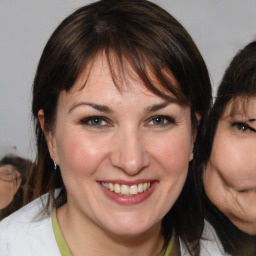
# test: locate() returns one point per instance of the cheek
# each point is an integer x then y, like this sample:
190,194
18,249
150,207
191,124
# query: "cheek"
173,151
234,159
80,154
6,193
213,187
3,189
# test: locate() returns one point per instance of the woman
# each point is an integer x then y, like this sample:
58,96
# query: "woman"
229,144
117,97
13,173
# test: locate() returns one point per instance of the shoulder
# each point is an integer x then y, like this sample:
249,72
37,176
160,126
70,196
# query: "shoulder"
28,231
26,212
210,244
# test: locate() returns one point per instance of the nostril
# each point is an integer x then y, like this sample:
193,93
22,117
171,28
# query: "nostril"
129,152
130,162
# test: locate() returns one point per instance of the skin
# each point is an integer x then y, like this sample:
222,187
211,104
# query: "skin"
8,184
128,146
230,176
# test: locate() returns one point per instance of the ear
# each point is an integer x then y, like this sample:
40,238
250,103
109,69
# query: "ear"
49,136
198,119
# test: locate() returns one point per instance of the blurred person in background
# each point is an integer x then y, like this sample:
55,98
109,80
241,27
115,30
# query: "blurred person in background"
13,174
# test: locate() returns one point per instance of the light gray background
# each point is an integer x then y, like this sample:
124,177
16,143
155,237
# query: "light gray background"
219,28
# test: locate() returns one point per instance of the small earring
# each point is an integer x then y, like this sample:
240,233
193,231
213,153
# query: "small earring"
193,151
54,165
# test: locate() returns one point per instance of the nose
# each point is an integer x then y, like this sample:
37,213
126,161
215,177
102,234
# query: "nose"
130,153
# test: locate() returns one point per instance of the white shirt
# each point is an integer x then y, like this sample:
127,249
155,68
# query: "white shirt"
29,232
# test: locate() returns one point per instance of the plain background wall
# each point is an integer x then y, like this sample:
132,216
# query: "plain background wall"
219,28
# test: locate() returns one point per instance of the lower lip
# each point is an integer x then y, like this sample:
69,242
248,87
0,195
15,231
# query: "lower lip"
129,200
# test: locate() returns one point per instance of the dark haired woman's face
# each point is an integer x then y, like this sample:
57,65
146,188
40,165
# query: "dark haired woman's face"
9,184
230,176
123,156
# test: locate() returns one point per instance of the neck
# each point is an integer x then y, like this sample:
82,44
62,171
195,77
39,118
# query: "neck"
85,237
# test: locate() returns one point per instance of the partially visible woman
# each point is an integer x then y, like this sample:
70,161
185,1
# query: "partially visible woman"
13,174
228,151
117,98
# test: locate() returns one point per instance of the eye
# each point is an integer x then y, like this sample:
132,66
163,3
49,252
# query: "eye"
161,120
95,121
242,127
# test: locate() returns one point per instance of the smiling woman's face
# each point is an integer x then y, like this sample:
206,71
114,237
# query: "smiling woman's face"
230,176
123,155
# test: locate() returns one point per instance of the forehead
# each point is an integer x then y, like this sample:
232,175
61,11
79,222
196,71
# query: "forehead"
6,168
104,70
8,172
98,86
243,105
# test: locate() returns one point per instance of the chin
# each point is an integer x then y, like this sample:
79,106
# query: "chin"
130,227
247,227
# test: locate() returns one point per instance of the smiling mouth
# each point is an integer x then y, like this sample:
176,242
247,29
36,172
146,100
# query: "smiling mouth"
126,190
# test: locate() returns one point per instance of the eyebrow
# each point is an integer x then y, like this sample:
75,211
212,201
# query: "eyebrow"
233,115
156,107
101,108
105,109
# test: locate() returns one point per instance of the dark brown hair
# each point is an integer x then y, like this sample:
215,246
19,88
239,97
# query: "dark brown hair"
151,40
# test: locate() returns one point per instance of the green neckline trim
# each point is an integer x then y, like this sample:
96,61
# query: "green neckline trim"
168,250
62,245
65,251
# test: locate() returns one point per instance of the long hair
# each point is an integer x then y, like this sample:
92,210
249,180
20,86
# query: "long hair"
151,40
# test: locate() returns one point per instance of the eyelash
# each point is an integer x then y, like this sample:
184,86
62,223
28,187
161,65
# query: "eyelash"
96,121
167,120
243,127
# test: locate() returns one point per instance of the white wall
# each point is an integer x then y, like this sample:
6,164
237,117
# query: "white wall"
219,27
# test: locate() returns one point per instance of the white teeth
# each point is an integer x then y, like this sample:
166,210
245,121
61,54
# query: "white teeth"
125,189
133,190
117,188
140,188
111,187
